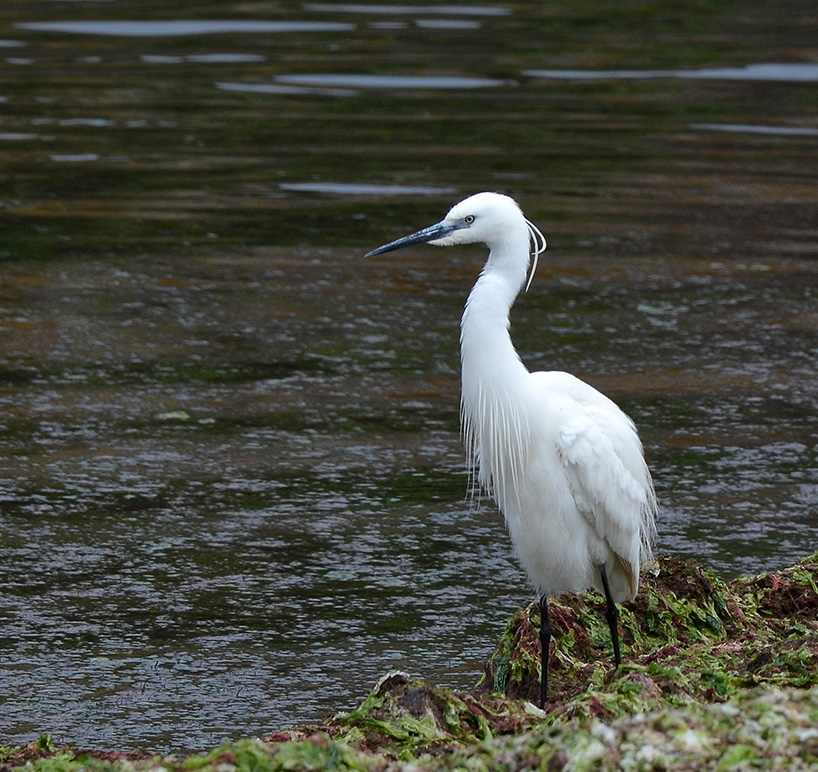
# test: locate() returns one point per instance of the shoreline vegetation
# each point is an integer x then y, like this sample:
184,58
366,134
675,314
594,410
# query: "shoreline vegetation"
716,675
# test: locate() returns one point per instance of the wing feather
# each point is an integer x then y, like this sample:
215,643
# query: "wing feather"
605,490
605,468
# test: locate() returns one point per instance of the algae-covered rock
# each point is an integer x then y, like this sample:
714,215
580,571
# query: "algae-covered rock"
687,637
403,717
762,729
771,729
785,601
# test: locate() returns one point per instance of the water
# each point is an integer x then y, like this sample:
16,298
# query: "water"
756,72
345,188
751,129
407,10
179,27
392,81
232,484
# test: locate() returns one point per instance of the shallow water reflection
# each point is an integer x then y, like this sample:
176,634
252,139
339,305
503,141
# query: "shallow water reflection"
204,58
779,72
276,88
744,128
341,188
181,27
391,81
403,10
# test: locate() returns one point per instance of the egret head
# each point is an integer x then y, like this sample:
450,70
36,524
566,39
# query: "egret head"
488,218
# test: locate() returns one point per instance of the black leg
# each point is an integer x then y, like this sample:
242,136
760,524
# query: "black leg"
612,615
545,644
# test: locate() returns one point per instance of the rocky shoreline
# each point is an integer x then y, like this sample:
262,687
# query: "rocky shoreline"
720,675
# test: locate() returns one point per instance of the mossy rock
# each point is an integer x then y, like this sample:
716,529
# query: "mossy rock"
686,637
403,716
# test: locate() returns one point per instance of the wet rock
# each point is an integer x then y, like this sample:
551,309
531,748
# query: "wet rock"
687,637
403,716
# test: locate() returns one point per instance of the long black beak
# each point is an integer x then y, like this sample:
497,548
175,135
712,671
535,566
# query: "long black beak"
432,233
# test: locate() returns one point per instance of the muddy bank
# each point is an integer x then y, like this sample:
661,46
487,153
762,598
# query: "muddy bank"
715,673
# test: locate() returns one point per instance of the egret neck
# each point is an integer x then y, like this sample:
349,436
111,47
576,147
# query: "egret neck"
495,423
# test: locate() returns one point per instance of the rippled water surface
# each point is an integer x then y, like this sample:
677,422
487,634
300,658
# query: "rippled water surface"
232,489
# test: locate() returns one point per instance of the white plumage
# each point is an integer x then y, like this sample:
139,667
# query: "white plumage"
562,461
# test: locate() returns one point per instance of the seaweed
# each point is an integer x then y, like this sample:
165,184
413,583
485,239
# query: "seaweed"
716,674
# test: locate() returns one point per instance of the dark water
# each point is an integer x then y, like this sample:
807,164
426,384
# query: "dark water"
232,484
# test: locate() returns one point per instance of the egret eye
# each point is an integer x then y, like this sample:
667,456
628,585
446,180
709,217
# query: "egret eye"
468,219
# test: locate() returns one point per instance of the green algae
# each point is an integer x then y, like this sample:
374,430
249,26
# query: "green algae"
688,637
716,675
773,729
402,715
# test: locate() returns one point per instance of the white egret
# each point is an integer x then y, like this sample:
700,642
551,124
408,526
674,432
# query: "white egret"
563,462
